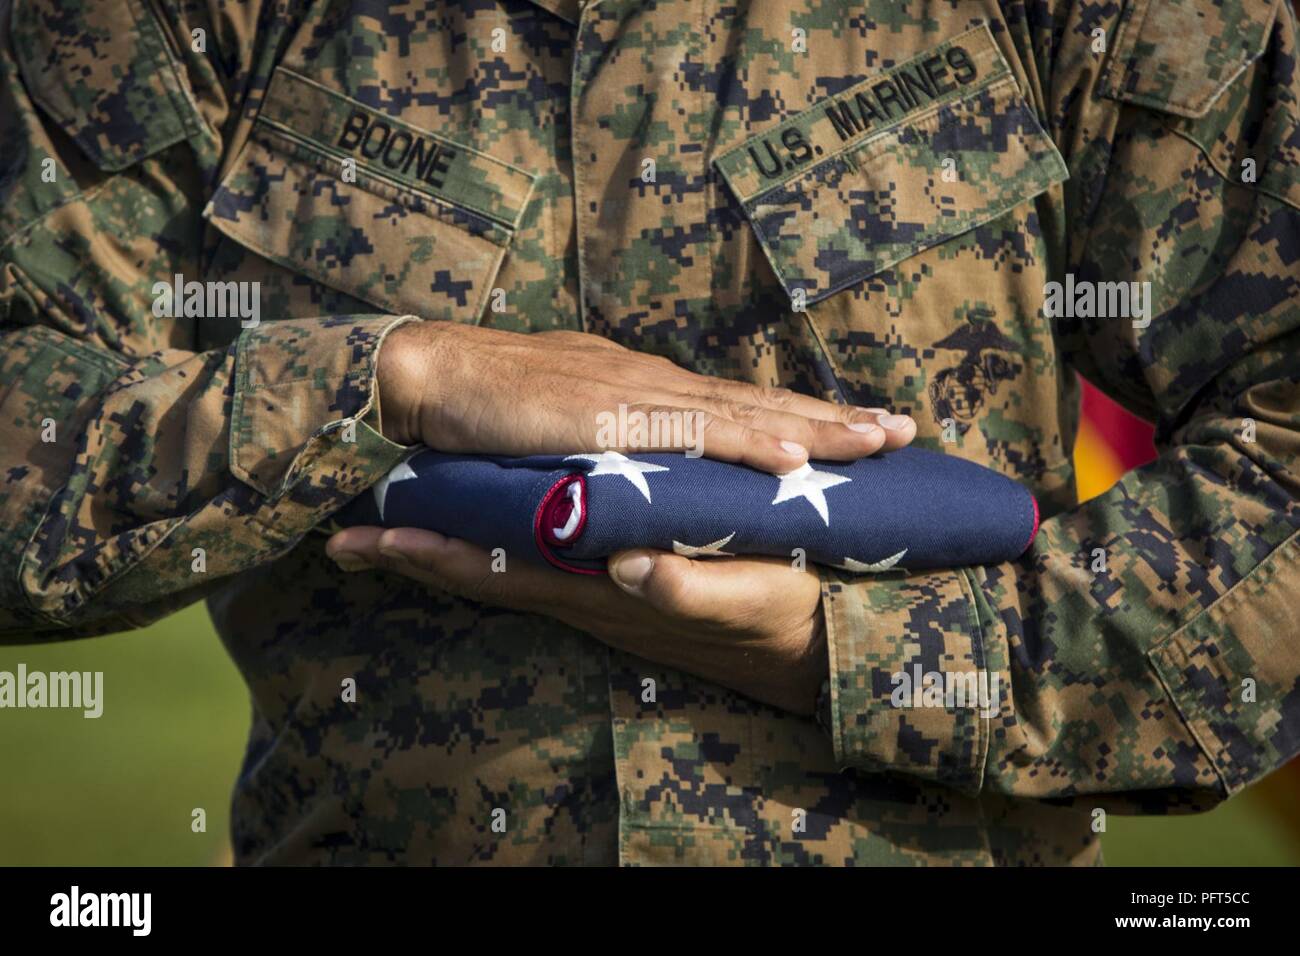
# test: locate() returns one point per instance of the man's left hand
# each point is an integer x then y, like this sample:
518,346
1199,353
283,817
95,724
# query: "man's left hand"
751,624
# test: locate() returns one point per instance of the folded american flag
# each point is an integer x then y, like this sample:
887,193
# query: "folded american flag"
911,507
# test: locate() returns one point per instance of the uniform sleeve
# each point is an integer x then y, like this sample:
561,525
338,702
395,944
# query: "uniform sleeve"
1145,653
137,471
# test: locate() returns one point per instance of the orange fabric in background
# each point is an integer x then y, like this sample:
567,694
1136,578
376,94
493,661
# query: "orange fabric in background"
1111,442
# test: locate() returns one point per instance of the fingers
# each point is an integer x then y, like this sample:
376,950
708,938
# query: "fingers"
353,549
587,602
784,399
724,439
845,440
716,435
828,430
768,439
776,398
735,592
899,429
451,565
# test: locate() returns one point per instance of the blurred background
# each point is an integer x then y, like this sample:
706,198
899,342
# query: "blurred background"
121,790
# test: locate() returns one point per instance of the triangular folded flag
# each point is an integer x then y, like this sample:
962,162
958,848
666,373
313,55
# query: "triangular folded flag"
909,508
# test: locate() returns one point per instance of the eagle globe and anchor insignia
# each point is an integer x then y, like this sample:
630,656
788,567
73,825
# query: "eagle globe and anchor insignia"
958,392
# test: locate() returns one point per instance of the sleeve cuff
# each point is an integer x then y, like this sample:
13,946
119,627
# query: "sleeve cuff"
911,691
304,426
1231,672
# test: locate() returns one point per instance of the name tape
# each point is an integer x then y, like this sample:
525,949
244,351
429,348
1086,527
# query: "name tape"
947,72
382,145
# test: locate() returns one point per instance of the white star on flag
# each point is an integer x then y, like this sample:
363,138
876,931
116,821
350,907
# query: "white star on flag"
401,472
613,463
804,482
711,550
863,567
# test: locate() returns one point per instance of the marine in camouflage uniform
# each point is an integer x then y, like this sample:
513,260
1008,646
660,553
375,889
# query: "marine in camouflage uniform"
801,228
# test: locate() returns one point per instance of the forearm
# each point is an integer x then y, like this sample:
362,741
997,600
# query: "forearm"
140,488
1144,646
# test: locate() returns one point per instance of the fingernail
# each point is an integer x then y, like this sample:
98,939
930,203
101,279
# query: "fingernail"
349,561
794,448
632,572
895,422
877,411
866,428
392,554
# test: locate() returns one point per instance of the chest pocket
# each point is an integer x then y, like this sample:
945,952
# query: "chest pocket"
401,217
1210,77
901,162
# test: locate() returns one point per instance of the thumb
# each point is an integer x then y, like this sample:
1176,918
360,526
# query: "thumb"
666,581
632,570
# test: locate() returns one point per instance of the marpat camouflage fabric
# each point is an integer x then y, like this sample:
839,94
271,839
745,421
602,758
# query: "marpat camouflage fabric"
861,201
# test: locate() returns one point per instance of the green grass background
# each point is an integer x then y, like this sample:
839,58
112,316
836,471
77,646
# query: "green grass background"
120,790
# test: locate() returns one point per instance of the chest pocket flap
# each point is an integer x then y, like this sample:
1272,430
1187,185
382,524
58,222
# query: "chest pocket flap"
903,161
401,217
104,73
1178,56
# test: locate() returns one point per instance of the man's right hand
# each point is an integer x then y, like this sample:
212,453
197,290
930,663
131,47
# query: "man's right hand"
462,388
